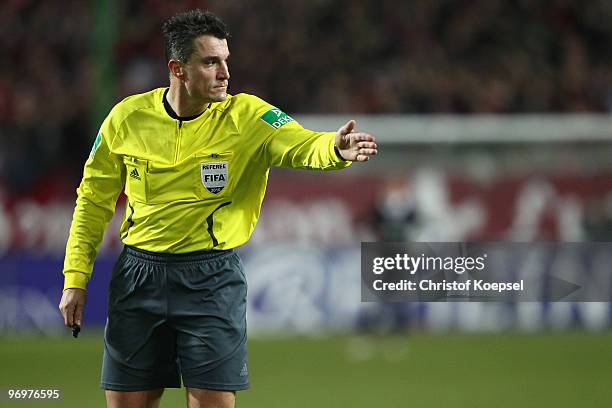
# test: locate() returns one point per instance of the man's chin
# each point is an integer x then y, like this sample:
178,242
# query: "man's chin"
219,97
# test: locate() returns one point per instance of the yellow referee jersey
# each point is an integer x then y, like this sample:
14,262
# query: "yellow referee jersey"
191,185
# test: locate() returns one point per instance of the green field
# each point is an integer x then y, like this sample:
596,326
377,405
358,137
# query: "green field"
510,370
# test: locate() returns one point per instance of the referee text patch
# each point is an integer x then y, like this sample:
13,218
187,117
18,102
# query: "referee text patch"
214,176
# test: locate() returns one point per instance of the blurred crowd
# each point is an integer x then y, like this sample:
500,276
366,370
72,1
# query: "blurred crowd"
420,56
320,56
44,91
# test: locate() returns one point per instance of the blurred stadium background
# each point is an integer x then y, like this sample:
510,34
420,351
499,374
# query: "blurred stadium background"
494,123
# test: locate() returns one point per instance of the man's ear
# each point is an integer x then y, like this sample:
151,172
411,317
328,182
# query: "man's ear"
176,69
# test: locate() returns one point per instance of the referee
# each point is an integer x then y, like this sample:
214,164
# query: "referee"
193,162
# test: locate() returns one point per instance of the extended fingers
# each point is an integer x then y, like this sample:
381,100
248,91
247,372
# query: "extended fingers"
367,145
361,146
367,148
361,137
367,152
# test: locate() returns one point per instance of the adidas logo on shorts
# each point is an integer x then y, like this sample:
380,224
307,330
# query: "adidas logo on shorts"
134,174
245,371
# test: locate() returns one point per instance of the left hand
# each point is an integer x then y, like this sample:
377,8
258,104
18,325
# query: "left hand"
355,146
72,304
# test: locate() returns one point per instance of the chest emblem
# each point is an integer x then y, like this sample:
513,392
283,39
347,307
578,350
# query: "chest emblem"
214,176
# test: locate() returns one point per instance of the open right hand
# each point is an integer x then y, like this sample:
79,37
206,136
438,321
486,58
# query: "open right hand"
72,305
355,146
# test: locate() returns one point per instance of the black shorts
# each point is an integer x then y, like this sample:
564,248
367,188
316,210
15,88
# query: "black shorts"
173,316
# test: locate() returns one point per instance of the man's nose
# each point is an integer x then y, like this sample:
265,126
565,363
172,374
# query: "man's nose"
223,72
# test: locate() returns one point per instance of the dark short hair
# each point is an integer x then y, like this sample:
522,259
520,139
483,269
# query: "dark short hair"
180,30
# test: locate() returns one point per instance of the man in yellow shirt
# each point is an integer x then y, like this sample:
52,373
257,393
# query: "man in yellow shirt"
193,162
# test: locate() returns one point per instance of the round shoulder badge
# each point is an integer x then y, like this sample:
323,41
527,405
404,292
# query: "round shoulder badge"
214,176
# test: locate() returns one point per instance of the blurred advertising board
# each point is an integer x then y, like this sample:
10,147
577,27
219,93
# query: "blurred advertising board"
303,259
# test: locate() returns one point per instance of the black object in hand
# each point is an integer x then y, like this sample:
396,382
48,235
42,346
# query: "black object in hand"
76,329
